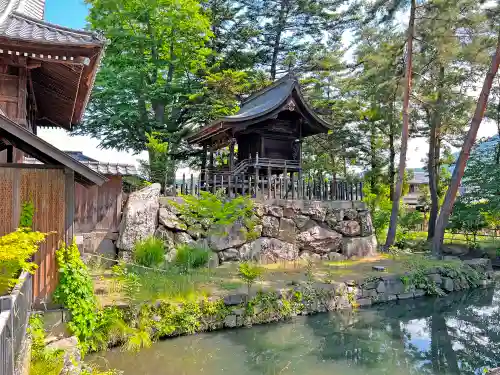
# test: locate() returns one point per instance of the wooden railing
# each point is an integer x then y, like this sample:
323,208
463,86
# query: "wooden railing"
268,186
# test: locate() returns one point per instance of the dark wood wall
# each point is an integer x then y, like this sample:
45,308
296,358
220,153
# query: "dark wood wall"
98,208
45,187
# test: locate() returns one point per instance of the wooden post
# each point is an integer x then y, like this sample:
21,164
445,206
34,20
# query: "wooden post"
211,168
352,196
269,182
222,183
285,182
309,187
304,191
203,172
292,175
257,179
242,178
250,184
183,186
198,187
320,183
214,181
361,191
275,186
356,189
192,192
69,202
231,154
300,193
10,154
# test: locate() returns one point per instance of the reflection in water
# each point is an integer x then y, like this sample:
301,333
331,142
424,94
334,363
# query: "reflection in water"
458,334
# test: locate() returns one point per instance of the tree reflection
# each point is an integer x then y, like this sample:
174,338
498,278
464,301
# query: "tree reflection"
455,335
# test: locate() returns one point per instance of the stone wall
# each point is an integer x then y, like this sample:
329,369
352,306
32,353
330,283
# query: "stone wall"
280,230
237,310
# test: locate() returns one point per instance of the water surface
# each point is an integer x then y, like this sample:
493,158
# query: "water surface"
458,334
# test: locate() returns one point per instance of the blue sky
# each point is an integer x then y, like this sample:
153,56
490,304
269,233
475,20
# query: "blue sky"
69,13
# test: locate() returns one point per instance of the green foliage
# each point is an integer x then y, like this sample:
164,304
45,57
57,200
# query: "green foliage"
26,218
76,293
379,203
249,273
16,250
408,221
468,218
43,361
149,252
215,211
189,257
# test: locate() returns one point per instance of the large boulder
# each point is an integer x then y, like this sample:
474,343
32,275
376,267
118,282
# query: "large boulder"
231,254
287,230
350,214
365,221
455,249
275,211
349,228
165,235
182,238
301,221
169,220
319,240
270,226
225,238
359,246
269,250
315,211
140,217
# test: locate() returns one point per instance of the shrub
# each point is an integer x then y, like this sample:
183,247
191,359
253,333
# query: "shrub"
16,249
249,272
149,252
189,257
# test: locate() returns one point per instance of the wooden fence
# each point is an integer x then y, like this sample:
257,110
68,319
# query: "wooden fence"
273,187
98,208
44,187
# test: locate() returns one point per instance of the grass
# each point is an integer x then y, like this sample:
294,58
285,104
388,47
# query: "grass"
451,238
176,285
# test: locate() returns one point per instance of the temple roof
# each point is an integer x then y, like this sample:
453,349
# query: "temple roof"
22,27
283,94
62,62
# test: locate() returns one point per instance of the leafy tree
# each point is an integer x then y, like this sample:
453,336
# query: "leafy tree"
289,27
148,72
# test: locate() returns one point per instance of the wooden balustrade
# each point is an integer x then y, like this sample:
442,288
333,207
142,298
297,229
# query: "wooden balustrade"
284,186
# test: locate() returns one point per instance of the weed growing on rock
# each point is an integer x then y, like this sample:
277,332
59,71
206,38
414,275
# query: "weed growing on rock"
189,257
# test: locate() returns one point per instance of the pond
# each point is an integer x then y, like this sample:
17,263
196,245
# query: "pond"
457,334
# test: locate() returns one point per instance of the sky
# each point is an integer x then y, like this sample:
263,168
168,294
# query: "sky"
72,13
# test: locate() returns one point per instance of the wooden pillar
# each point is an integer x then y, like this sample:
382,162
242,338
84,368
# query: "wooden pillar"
231,154
269,182
211,179
10,154
203,172
69,202
262,147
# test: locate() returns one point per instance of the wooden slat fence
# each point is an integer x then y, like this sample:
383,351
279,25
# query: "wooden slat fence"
45,188
274,187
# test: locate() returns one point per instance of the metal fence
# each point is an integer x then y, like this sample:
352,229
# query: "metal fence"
14,315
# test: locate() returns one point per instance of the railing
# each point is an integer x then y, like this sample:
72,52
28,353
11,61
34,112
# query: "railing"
284,186
14,315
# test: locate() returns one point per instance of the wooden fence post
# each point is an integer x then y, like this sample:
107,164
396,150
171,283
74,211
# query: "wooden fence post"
269,182
292,175
285,181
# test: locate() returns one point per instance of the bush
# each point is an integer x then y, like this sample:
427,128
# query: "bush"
149,252
189,257
16,249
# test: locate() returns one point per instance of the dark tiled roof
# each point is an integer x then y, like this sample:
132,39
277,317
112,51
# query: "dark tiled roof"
21,27
109,169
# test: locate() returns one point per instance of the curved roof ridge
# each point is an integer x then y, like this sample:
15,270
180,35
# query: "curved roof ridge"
262,91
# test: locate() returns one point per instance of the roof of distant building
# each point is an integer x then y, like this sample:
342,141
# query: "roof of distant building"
419,176
108,169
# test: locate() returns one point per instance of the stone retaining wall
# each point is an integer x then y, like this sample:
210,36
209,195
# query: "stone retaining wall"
309,298
280,230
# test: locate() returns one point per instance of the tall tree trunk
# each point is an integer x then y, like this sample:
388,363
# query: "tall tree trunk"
277,40
391,234
373,160
459,170
434,155
392,154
